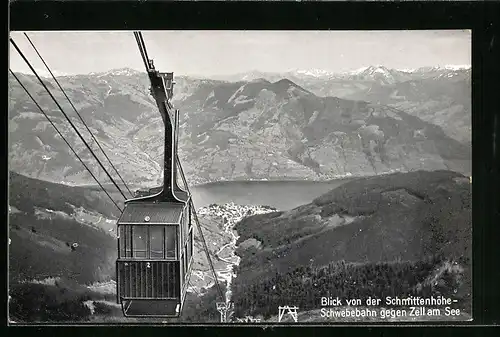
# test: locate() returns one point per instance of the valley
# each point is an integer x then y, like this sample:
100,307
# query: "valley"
256,250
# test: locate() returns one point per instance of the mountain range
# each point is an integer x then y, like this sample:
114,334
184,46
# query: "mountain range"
364,73
440,95
276,126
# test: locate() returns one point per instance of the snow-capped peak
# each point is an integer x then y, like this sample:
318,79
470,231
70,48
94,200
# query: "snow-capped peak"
451,67
378,72
313,72
457,67
371,70
118,72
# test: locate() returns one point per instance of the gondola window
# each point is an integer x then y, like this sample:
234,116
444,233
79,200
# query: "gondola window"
140,242
125,242
171,242
157,241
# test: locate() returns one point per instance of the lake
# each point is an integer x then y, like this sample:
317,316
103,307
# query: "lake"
282,195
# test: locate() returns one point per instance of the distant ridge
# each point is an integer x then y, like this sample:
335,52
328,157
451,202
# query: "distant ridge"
276,127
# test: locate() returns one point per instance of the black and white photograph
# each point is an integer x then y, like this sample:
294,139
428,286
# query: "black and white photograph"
237,177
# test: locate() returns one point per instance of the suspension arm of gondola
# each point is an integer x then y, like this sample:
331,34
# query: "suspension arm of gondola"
64,139
164,105
65,115
76,111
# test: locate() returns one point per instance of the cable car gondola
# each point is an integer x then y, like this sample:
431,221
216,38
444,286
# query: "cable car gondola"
155,242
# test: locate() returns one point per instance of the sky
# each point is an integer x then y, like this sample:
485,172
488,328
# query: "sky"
205,53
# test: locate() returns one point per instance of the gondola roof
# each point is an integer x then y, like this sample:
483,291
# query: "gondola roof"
151,213
182,195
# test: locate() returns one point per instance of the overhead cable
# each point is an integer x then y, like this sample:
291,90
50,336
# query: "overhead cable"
76,111
64,139
65,115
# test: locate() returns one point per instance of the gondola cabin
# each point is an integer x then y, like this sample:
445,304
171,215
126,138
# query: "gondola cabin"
155,242
155,257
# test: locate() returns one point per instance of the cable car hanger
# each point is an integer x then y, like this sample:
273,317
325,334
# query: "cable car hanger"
155,242
155,232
